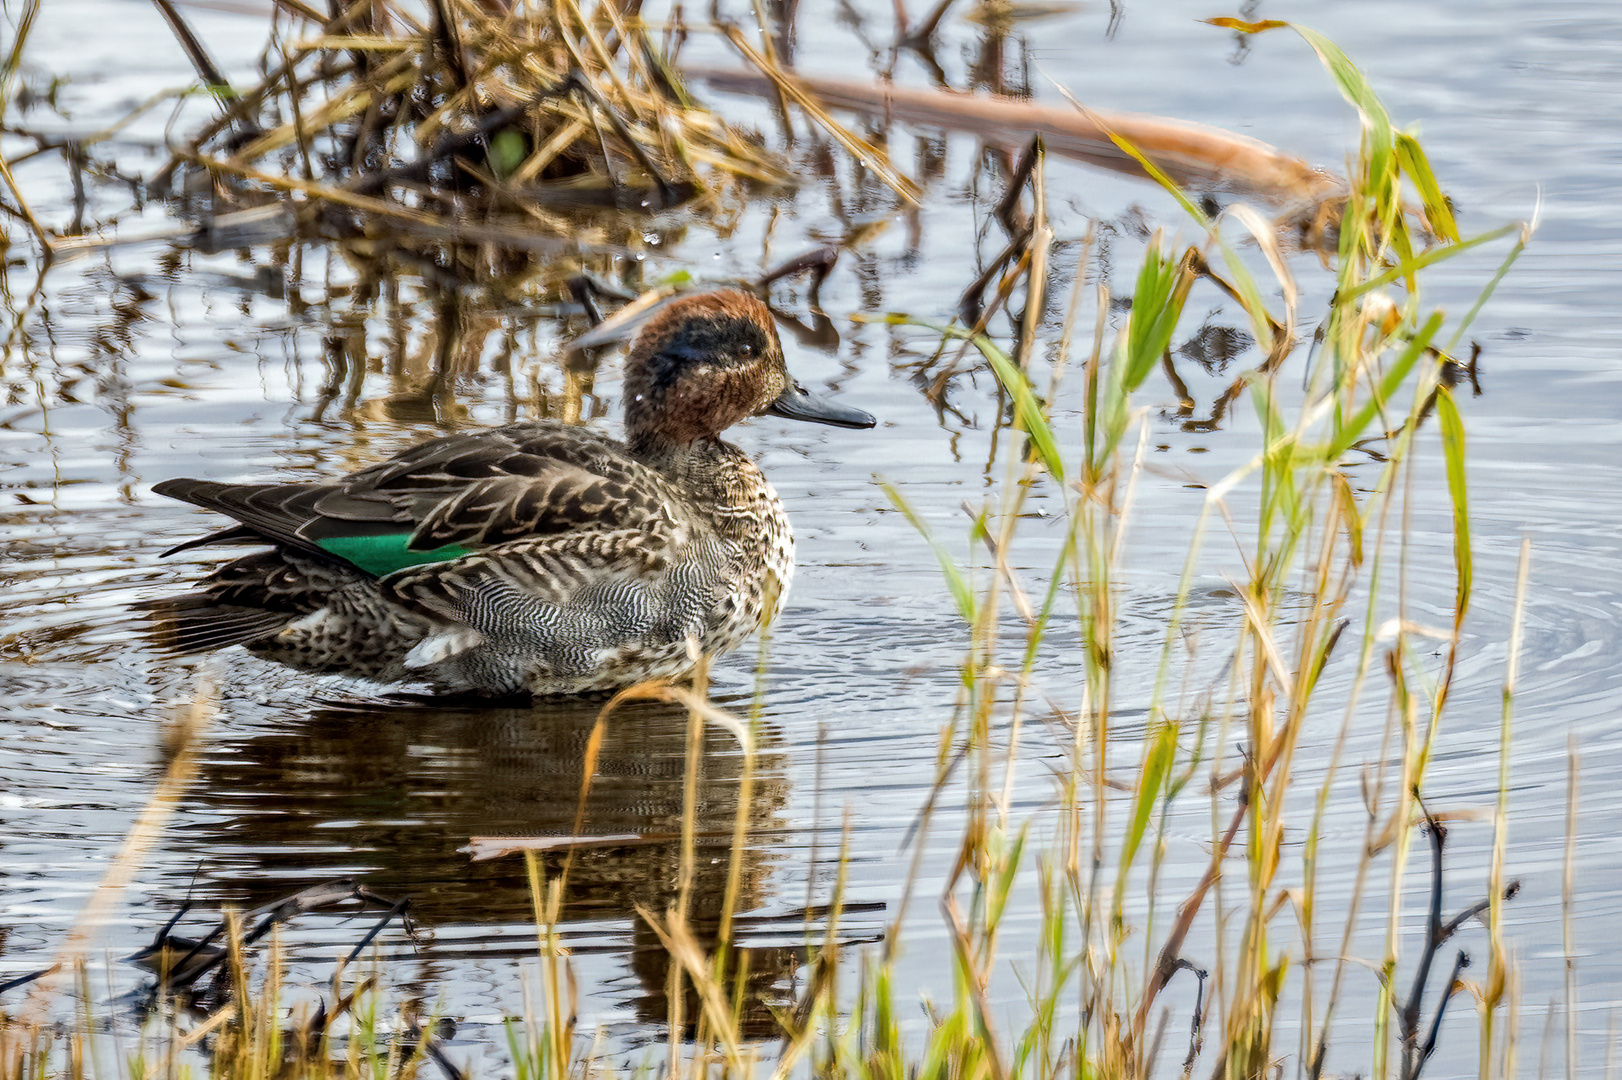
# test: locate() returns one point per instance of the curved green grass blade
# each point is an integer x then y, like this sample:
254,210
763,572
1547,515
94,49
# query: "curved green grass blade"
1418,169
955,581
1027,408
1408,267
1151,779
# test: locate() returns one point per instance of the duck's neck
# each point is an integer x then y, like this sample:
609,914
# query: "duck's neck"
685,464
717,477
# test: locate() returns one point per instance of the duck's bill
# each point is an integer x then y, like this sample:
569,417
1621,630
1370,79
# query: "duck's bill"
796,404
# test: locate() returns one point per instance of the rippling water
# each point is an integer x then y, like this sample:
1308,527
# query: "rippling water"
150,361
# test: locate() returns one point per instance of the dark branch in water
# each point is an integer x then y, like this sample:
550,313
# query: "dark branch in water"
1437,932
1171,960
820,261
971,306
426,1039
1196,1039
200,60
24,980
202,956
1014,220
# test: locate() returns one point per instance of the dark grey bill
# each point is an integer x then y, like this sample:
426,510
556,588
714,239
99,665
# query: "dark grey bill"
796,404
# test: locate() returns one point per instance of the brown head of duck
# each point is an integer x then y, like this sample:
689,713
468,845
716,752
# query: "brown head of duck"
705,362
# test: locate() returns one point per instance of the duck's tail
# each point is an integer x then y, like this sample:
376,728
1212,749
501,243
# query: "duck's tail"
197,622
246,601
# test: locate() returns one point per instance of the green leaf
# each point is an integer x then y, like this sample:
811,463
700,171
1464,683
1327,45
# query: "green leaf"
1008,872
508,149
1435,255
1492,286
1151,778
1379,137
1156,306
1354,87
1154,172
1418,169
955,580
1026,407
1447,412
1250,297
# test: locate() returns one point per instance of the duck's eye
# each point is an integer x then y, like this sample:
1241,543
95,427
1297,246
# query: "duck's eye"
746,351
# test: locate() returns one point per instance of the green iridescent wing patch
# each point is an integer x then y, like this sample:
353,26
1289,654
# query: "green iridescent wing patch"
380,555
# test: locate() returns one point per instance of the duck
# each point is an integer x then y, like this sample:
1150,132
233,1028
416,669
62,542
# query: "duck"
535,558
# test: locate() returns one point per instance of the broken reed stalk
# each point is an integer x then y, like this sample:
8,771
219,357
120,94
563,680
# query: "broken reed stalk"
1203,160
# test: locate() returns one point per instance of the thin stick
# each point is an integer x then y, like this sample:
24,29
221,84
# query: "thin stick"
22,205
1497,962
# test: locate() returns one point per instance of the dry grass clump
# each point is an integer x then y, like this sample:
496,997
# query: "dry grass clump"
478,138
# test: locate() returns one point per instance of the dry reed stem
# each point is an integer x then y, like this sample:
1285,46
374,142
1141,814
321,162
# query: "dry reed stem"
415,111
872,157
1498,971
352,101
677,939
40,232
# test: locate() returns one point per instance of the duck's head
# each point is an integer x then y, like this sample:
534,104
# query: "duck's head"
703,363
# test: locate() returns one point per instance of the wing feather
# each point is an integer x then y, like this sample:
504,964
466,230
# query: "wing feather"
455,495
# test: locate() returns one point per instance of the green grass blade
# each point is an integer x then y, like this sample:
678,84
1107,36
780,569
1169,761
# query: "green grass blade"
1151,779
955,581
1354,86
1026,406
1409,267
1156,306
1354,428
1418,169
1028,409
1453,448
1492,286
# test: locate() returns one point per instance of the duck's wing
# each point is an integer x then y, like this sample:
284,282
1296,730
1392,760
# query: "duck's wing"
445,499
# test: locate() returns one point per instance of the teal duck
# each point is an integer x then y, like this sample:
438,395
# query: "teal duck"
536,557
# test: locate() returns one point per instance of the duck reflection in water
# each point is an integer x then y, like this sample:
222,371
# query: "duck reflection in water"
390,794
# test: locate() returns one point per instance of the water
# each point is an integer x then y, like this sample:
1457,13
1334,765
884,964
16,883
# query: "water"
152,361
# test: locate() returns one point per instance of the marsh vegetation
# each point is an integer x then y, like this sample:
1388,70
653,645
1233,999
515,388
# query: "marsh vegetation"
1174,731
